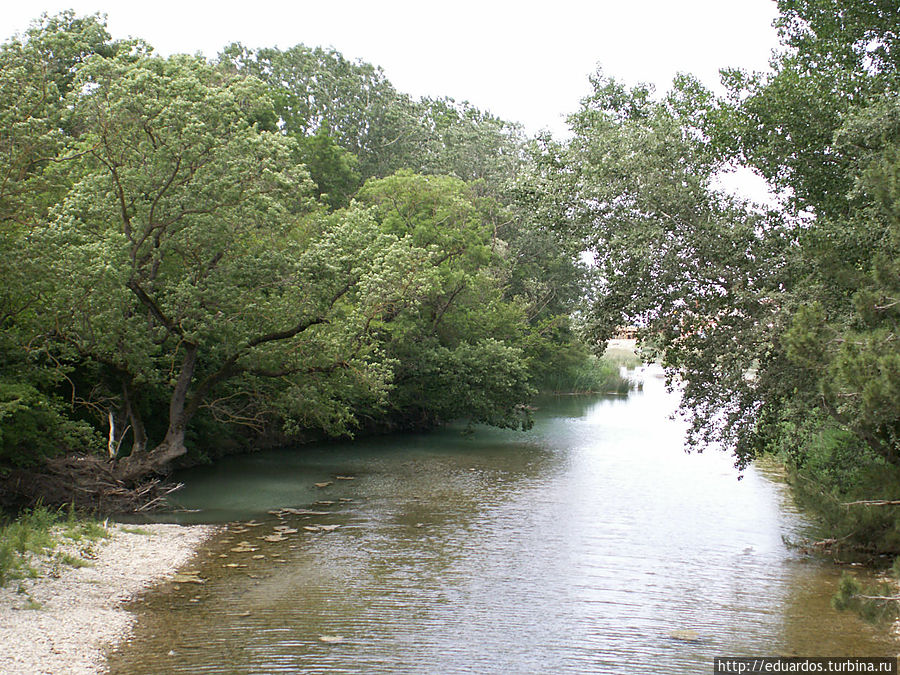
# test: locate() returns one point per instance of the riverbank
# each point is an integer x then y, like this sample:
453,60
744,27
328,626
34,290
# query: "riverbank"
66,619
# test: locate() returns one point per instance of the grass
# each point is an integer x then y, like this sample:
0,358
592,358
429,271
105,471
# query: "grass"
36,534
31,603
72,561
136,530
621,356
84,529
591,375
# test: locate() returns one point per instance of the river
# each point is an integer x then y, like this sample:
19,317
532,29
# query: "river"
591,544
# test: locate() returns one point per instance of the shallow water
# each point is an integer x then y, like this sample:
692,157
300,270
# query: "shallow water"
592,544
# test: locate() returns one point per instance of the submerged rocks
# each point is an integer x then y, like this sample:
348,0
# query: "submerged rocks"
685,635
188,578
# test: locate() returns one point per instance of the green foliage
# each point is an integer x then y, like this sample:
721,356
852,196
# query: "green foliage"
319,94
36,74
190,254
782,323
838,56
72,561
635,184
35,426
78,529
318,90
622,357
331,168
460,140
137,530
29,534
32,604
193,265
8,561
874,603
456,342
829,469
583,374
31,531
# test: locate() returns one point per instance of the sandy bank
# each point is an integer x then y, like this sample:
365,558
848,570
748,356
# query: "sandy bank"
64,621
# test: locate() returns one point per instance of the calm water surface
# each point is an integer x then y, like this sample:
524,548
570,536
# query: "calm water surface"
592,544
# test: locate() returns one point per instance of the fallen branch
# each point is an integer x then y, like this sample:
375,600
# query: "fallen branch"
874,502
876,597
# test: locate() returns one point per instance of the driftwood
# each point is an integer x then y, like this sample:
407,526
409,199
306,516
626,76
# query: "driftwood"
874,502
884,598
85,481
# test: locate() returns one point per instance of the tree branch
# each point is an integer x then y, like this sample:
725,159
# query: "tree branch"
874,502
149,303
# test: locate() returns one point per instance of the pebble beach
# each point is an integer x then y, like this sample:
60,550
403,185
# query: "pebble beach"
68,618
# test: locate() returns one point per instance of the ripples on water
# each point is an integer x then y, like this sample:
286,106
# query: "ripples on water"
592,544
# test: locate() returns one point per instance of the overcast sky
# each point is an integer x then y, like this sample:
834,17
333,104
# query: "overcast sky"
526,62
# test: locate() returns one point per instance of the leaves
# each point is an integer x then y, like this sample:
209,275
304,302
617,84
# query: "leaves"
196,265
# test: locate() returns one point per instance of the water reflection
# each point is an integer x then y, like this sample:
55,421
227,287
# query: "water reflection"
591,544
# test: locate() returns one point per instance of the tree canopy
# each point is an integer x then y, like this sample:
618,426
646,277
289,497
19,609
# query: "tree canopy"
779,323
276,245
269,247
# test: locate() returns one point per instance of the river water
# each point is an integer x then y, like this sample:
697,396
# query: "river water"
591,544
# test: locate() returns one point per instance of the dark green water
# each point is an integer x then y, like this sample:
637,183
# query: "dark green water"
592,544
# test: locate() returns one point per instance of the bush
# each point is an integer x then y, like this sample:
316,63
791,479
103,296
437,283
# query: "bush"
35,426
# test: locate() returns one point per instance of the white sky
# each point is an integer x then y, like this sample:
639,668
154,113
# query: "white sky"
524,61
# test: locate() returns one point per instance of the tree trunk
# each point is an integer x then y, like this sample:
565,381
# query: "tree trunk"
141,463
139,443
137,466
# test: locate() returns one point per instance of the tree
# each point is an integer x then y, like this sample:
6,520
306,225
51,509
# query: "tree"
199,271
823,127
458,139
319,93
316,89
331,168
458,344
846,336
689,265
36,74
837,55
185,263
781,324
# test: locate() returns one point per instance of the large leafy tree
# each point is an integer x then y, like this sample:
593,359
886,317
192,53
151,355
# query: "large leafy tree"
36,74
844,335
781,324
458,139
319,91
187,248
822,127
187,264
320,95
458,344
836,57
636,185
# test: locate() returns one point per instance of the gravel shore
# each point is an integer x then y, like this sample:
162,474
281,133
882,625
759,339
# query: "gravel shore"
65,621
